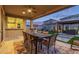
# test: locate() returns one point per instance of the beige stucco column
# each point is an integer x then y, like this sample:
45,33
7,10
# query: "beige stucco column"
31,24
2,24
24,24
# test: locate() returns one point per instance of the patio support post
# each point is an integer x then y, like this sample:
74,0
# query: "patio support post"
2,24
24,24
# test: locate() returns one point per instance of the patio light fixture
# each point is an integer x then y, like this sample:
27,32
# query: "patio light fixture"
23,12
29,10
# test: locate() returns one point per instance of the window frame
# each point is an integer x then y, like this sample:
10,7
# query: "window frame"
14,23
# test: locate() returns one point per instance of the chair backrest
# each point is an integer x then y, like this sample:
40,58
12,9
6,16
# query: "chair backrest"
55,36
31,37
53,39
25,35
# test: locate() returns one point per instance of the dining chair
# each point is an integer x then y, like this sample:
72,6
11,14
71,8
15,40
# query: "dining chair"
32,41
49,42
27,42
75,45
25,35
36,43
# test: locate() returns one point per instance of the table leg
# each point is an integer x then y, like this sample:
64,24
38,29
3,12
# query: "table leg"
41,45
48,46
35,46
31,47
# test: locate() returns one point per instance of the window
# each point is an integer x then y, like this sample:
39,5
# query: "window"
28,23
14,23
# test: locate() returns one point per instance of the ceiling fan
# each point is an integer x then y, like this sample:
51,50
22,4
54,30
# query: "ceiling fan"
31,9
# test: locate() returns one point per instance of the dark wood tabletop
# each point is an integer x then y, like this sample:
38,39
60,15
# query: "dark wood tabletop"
39,35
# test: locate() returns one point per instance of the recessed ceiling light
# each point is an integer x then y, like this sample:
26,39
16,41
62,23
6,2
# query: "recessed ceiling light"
23,12
29,10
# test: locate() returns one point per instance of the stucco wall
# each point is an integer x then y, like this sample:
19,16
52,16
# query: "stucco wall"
10,34
13,34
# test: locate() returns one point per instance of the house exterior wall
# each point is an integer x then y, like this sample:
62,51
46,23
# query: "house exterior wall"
38,27
71,18
13,34
71,26
49,25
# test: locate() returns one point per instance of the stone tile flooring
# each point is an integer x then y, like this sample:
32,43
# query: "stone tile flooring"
7,47
64,48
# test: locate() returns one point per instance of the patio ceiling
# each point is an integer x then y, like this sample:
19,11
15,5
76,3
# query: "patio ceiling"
37,10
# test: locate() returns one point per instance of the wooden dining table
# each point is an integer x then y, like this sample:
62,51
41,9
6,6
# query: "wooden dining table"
39,36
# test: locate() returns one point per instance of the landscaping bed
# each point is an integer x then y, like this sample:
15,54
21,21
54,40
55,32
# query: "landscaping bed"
74,40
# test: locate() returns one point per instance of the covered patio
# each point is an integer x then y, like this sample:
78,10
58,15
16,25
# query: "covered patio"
11,28
23,12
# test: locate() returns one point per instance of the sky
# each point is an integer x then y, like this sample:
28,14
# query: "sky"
58,15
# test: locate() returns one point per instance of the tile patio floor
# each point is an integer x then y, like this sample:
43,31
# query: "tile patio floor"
61,48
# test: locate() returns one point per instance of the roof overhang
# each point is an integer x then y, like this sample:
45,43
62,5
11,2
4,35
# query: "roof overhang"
69,22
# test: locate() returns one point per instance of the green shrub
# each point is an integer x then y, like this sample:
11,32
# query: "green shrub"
51,32
72,39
